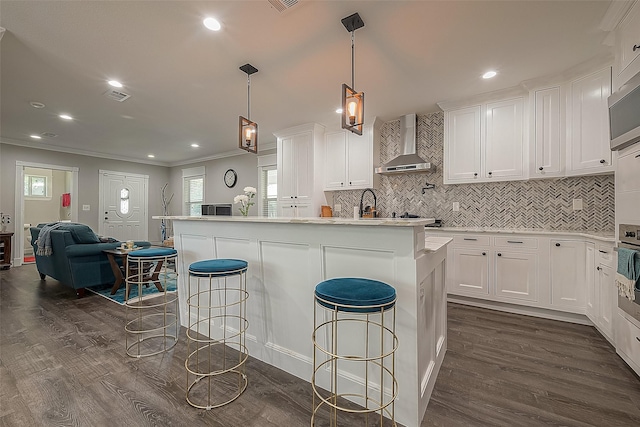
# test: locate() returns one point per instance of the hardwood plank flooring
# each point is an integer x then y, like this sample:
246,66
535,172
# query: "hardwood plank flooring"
62,363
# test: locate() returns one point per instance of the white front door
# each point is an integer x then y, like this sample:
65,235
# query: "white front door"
123,205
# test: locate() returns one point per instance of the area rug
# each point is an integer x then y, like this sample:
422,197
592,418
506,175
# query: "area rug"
118,297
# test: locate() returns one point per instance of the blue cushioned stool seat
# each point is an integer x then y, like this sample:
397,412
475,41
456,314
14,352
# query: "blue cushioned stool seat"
217,266
153,252
356,295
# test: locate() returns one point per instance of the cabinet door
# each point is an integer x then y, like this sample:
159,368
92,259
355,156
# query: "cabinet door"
629,44
590,280
286,169
547,133
588,145
335,160
286,209
303,158
504,141
462,138
304,211
568,275
359,160
470,272
516,275
607,299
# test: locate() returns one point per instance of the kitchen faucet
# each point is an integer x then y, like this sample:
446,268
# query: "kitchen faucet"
375,200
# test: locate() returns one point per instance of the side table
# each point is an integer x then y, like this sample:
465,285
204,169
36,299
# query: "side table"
5,250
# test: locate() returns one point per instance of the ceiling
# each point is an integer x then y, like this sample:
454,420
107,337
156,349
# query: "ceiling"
186,87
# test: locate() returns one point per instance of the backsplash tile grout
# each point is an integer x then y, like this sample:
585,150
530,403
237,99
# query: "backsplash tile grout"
539,203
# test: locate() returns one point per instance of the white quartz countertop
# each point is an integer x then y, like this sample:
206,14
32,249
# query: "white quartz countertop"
435,243
608,236
383,222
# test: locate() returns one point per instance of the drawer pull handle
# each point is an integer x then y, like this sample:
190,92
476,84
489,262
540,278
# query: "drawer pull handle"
635,47
602,252
558,244
514,241
638,338
467,238
637,155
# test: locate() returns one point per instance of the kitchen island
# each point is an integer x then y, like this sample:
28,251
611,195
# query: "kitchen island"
288,257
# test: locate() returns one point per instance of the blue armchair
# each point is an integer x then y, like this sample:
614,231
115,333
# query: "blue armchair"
77,260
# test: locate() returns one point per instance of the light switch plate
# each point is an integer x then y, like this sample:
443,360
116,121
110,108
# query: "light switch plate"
337,207
86,207
577,204
456,206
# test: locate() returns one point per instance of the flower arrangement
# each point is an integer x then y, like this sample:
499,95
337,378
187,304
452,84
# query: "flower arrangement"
5,219
245,200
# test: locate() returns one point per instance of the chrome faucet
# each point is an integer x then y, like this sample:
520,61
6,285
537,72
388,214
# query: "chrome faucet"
375,200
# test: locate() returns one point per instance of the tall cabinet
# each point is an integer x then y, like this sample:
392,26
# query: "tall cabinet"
299,159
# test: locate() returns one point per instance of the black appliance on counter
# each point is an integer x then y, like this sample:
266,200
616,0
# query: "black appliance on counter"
217,209
437,223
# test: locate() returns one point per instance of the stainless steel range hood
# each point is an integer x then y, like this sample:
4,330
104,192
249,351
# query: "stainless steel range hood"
408,161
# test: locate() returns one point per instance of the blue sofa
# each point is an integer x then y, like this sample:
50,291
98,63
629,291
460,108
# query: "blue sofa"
77,260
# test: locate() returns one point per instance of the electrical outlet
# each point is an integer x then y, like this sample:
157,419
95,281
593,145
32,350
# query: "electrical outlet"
337,207
577,204
86,207
456,206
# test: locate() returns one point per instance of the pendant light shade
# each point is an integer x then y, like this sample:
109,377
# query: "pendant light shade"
352,100
247,129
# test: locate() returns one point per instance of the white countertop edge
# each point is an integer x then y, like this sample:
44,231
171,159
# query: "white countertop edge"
435,243
603,236
393,222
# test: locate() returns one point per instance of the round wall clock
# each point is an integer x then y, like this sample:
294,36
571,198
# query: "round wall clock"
230,178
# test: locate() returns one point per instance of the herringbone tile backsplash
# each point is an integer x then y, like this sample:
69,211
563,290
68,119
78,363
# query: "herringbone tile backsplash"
539,203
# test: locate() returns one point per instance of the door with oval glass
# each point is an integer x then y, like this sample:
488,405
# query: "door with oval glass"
123,205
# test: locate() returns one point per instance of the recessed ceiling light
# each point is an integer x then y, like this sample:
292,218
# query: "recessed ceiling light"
489,74
339,110
151,156
34,136
115,83
36,104
65,117
212,24
194,145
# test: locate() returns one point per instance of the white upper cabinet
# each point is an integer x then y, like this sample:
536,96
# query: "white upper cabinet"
462,142
504,143
485,143
547,137
628,46
349,159
588,136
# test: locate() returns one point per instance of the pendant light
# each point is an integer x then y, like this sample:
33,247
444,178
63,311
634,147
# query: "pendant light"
352,101
248,130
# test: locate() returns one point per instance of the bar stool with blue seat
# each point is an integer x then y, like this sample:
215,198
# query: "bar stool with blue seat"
151,325
216,346
354,344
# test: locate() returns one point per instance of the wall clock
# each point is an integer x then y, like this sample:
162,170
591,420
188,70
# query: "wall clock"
230,178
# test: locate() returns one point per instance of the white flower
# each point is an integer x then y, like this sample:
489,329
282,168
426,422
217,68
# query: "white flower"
251,190
241,198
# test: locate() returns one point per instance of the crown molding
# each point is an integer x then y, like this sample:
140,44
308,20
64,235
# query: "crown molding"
580,70
616,11
232,153
510,92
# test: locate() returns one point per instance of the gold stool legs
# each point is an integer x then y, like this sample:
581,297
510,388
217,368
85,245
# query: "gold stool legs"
216,343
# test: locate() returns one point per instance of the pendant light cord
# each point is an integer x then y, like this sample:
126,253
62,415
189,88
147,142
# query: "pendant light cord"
249,96
353,84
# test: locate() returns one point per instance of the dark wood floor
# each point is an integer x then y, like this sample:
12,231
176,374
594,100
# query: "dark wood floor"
62,363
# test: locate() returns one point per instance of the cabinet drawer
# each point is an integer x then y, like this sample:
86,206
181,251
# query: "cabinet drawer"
517,242
473,240
628,339
605,256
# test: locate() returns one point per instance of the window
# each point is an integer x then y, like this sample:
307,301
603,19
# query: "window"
36,186
268,191
124,201
193,191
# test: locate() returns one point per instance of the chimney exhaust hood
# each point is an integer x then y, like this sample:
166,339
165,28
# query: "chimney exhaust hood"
408,161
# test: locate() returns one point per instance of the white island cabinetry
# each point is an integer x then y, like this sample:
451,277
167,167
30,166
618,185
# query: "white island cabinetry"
288,257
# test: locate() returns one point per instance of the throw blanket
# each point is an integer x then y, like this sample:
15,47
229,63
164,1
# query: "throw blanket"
44,239
628,272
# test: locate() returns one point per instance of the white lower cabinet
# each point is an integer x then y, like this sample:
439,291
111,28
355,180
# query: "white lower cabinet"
607,298
473,279
295,210
568,264
516,275
627,334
